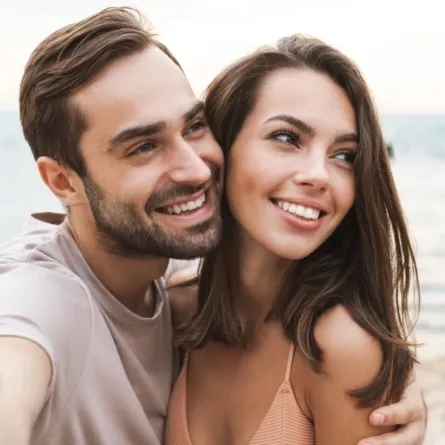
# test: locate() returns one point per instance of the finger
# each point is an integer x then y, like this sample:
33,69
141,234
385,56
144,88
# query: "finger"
408,435
400,413
183,304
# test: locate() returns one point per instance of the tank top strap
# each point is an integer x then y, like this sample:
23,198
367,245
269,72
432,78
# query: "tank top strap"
182,357
290,360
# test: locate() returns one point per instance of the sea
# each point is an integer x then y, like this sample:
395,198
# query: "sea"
419,169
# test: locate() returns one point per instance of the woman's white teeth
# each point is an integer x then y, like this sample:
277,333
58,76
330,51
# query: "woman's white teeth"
299,210
177,209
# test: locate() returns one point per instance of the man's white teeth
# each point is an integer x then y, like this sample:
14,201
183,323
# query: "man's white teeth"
177,209
299,210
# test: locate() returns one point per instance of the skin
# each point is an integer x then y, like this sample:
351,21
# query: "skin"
147,171
292,163
409,413
25,374
185,159
114,212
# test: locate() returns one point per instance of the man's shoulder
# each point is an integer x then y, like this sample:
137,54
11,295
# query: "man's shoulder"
46,305
37,241
38,258
38,277
35,272
41,298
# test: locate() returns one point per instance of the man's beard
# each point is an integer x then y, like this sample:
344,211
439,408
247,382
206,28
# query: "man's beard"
124,231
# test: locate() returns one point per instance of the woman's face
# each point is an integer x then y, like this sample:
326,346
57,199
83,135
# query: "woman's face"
290,176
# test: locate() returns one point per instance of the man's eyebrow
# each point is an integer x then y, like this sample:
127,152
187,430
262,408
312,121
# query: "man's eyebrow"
197,108
291,120
136,132
152,129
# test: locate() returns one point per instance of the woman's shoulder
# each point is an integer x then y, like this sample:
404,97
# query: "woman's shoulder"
351,355
351,360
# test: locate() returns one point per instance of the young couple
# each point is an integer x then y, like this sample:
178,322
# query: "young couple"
298,334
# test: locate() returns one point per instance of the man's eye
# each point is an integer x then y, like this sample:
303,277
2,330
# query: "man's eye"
196,126
146,147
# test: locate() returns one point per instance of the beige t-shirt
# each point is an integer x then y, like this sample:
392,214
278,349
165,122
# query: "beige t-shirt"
112,369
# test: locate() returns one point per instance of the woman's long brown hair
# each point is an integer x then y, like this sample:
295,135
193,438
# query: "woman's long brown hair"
367,265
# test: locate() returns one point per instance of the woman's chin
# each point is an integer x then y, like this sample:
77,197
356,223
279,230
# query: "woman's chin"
291,252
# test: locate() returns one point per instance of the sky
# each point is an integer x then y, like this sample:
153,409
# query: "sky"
398,44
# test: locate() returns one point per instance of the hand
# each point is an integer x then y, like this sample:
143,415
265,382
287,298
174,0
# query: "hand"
182,278
182,287
410,414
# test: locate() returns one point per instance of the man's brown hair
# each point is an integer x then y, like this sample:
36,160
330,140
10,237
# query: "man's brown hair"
64,62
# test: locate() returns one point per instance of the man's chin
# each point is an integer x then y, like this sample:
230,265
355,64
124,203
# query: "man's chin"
191,246
209,227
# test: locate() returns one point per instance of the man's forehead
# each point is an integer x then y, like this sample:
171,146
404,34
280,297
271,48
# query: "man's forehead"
137,90
147,76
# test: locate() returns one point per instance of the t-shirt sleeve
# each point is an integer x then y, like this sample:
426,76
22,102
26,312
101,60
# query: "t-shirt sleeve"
52,310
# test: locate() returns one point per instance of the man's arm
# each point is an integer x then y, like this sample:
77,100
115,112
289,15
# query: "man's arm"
25,375
410,414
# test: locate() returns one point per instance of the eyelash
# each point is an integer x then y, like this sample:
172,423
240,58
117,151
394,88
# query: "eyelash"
201,125
295,140
351,154
137,151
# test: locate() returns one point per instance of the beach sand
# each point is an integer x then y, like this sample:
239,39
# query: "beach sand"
431,376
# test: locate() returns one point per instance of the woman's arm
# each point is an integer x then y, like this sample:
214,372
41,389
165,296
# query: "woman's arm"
352,359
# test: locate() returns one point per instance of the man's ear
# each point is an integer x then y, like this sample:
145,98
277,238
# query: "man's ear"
62,181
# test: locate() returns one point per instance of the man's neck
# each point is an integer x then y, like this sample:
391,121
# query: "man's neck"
127,279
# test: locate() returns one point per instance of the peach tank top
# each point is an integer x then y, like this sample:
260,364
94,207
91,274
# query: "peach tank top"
283,424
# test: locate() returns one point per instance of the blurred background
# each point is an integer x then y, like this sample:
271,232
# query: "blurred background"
398,44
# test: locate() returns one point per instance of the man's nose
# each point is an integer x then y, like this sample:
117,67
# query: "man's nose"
188,167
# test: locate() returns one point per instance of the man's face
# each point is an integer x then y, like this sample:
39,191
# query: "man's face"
154,168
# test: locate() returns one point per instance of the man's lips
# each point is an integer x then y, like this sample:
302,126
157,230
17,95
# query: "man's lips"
182,200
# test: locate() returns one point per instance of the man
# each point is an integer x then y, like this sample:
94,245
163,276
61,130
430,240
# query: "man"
85,330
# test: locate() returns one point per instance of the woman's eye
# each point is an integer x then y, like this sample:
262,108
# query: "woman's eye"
286,136
347,156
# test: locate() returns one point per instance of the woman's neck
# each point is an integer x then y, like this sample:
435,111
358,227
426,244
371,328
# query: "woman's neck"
261,276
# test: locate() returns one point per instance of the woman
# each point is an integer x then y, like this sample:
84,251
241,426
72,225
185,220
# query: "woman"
302,321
